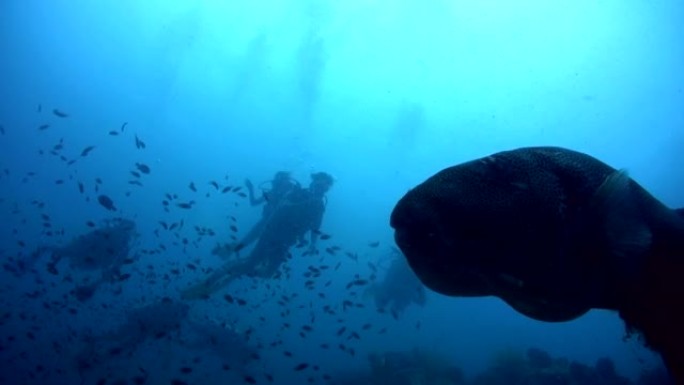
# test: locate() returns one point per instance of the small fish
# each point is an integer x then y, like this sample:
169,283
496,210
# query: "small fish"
360,282
106,202
59,113
301,366
123,126
192,187
248,379
135,174
43,127
143,168
323,237
87,151
81,188
213,183
2,130
184,205
40,108
113,133
139,144
374,244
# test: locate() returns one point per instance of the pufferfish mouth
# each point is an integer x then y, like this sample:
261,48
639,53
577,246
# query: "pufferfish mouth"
437,269
520,297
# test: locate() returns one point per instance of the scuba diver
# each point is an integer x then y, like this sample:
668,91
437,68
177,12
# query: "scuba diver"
300,212
281,185
400,287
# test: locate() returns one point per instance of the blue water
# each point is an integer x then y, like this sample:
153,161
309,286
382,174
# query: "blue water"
379,94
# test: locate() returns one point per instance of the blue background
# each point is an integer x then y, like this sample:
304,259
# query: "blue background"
381,94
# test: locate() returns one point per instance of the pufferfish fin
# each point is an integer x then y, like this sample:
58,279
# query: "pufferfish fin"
626,231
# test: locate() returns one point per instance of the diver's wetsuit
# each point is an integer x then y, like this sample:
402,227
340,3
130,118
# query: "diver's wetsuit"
299,213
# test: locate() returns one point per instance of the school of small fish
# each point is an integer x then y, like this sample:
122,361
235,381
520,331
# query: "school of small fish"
118,269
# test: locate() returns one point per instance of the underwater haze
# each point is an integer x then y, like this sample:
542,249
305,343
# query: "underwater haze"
128,129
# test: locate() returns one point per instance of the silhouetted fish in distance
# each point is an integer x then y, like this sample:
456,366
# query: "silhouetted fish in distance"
106,202
143,168
60,114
